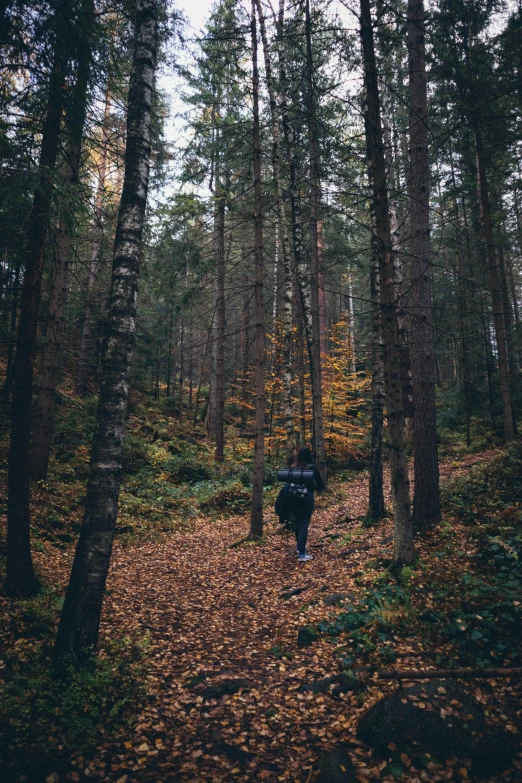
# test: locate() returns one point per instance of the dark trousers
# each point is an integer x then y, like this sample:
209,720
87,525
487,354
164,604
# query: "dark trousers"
301,517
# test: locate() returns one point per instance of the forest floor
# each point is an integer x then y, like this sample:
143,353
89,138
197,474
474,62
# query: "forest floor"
225,673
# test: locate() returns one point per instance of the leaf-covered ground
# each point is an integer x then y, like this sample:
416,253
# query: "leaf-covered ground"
224,670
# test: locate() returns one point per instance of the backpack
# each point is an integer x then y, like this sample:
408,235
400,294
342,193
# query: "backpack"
297,490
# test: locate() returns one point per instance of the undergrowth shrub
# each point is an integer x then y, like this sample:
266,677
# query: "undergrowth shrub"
489,494
475,617
232,498
46,716
135,454
189,469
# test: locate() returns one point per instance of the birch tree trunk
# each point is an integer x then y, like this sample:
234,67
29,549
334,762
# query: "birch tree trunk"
403,552
426,502
256,520
79,624
21,579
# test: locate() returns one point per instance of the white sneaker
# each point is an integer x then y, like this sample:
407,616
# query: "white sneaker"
305,558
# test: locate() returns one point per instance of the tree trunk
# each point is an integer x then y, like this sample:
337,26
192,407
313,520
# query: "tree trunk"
169,355
463,324
181,368
245,352
256,520
219,251
376,506
156,374
86,345
190,369
426,502
403,535
512,285
351,325
21,578
301,376
55,334
301,272
323,320
211,417
202,371
79,624
488,356
285,243
495,288
509,326
8,381
317,392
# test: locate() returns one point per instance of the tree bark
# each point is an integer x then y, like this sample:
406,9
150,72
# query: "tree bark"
376,506
43,429
323,318
21,579
219,252
245,346
181,367
169,355
8,380
463,325
285,243
86,345
301,376
426,502
256,520
317,393
79,624
403,534
202,371
495,288
300,268
512,285
509,326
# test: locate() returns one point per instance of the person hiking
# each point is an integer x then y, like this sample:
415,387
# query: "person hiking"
303,507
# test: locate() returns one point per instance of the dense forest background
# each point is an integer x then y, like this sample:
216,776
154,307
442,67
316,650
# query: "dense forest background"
301,225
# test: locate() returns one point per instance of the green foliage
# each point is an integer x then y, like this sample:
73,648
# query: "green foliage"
135,454
46,715
485,495
189,469
473,618
371,624
232,498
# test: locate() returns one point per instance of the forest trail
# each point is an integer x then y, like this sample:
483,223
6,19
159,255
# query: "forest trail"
217,614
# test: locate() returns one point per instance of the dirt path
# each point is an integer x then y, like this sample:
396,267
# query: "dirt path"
215,614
